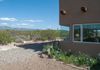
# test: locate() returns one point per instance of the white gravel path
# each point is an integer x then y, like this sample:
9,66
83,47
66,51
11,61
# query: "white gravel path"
28,59
14,55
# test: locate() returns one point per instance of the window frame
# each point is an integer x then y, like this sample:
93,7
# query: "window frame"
81,34
74,32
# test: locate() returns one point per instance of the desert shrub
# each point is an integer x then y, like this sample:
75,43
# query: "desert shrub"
67,57
37,34
5,38
49,34
83,59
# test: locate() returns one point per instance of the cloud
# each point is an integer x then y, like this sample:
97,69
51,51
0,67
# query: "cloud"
8,19
23,24
4,24
34,21
20,20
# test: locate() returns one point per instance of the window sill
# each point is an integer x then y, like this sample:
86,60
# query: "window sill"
86,42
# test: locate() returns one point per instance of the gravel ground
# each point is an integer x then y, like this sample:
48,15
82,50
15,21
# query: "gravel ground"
28,59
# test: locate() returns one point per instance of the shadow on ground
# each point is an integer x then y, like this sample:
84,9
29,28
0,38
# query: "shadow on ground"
39,46
95,67
34,46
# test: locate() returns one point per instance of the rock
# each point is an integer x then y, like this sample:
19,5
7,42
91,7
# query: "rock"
41,55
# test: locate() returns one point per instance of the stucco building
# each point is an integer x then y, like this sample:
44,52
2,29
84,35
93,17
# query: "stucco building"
83,19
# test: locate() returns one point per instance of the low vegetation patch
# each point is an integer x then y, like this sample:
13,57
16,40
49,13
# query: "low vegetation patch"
68,57
5,38
34,35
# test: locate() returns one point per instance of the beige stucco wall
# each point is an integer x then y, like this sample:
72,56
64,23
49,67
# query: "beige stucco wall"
74,13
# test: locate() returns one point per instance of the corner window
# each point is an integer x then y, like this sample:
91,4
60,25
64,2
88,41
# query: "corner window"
91,33
64,32
87,33
77,33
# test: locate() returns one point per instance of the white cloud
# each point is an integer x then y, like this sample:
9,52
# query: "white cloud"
23,24
8,19
34,21
20,20
4,24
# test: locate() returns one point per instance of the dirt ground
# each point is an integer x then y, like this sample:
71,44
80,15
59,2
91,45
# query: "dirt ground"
25,57
36,63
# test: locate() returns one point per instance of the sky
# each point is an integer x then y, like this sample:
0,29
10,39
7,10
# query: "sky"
32,14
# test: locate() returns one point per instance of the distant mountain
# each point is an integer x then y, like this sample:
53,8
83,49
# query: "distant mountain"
5,28
11,28
22,29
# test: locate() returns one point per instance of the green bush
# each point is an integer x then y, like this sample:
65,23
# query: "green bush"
5,38
83,59
35,35
68,57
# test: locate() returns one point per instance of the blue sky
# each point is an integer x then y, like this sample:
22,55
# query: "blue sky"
35,14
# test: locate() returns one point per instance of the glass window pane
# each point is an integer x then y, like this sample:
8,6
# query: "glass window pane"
91,32
77,32
64,32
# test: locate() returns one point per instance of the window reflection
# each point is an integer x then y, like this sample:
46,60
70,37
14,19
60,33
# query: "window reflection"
64,32
77,32
87,32
91,33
